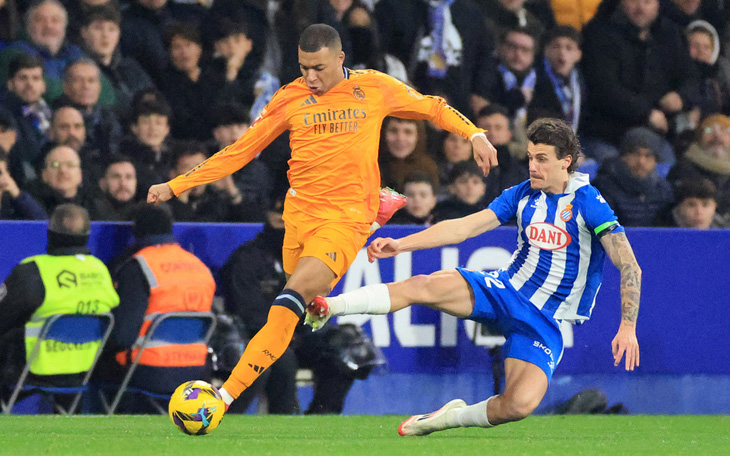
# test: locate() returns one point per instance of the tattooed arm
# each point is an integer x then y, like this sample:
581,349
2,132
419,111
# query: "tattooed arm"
622,256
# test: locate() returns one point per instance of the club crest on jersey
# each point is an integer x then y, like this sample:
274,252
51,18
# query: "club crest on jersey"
358,93
567,213
547,236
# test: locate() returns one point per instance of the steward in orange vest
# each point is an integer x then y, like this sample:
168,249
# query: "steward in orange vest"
160,277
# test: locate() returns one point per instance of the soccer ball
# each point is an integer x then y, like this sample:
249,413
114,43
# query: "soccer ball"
196,407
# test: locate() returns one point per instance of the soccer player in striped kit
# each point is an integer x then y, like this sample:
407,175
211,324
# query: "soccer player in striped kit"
565,230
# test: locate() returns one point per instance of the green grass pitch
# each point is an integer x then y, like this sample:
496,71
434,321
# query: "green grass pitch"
364,435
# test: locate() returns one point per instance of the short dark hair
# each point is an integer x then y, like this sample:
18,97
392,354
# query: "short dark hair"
118,158
184,30
150,220
557,133
419,177
230,113
523,30
23,62
186,148
65,218
492,109
148,108
464,167
695,188
107,12
227,27
562,31
81,61
317,36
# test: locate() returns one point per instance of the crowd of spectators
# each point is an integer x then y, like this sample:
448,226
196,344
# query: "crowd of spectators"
99,99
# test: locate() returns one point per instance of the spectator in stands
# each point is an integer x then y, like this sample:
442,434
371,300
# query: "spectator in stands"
251,278
403,151
16,204
61,179
9,22
143,31
122,76
149,145
630,183
624,42
708,157
421,195
81,89
695,206
503,15
45,27
68,129
28,300
445,43
515,85
24,100
189,88
714,70
559,87
208,203
242,77
510,171
119,188
255,180
467,188
158,276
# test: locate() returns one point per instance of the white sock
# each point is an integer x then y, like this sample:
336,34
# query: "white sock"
227,398
473,415
371,300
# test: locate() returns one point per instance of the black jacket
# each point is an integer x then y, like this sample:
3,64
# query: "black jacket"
626,77
636,202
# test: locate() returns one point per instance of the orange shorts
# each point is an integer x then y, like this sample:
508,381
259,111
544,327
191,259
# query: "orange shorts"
334,242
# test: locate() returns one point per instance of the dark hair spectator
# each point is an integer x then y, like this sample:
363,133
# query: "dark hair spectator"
121,76
419,189
630,183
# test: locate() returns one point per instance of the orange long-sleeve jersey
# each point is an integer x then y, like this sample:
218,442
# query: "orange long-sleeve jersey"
333,170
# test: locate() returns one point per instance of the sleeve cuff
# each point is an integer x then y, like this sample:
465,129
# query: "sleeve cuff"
480,134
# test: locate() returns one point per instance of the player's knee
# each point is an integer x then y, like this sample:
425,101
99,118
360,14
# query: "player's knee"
420,288
516,408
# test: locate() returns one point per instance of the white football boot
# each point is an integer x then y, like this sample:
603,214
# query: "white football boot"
435,421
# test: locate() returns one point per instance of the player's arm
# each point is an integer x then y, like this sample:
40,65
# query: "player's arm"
443,233
622,256
265,129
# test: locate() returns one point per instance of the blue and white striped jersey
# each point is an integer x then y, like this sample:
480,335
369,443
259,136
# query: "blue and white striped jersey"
558,264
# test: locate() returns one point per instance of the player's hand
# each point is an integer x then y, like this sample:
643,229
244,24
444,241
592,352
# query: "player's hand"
484,153
625,342
159,193
383,248
671,102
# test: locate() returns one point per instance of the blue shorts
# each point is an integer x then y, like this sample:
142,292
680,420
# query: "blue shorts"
531,335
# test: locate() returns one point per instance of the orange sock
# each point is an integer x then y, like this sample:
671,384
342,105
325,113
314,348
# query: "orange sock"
265,348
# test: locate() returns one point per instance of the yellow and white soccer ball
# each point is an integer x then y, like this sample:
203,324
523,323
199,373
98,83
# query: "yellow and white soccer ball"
196,407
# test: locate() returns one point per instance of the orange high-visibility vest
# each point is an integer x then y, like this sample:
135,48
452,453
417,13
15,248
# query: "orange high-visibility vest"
178,281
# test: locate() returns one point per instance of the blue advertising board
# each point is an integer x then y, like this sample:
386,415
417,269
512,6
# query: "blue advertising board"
683,320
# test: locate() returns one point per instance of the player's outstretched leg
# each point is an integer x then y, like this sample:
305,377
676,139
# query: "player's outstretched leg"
452,415
372,299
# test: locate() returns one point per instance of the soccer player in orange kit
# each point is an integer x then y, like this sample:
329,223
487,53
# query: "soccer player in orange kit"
334,115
